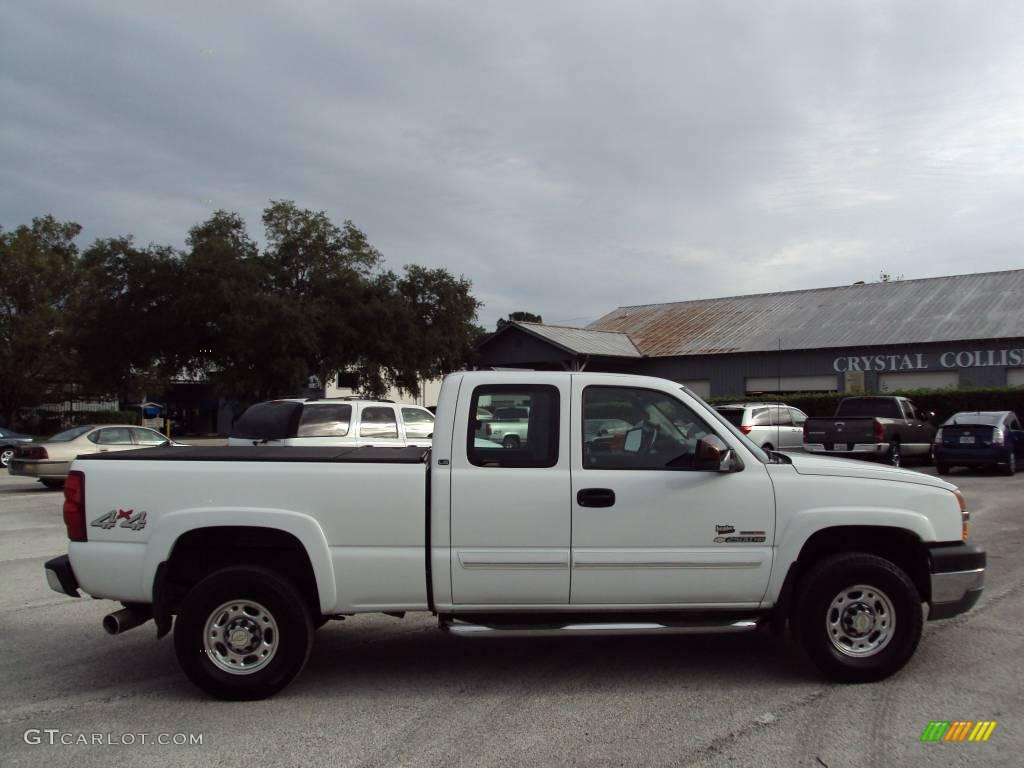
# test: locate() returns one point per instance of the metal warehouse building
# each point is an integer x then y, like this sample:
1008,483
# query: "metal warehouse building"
942,332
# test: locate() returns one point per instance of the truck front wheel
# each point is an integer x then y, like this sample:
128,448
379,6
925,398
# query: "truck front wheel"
243,633
858,617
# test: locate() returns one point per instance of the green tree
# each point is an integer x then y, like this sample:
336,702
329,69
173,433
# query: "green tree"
37,281
518,317
126,325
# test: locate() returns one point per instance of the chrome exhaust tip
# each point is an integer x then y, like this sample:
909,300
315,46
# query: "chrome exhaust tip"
127,618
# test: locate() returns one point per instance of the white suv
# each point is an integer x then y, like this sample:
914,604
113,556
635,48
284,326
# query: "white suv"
333,421
773,426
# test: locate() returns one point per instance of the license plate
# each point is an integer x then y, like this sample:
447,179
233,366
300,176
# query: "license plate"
967,439
839,446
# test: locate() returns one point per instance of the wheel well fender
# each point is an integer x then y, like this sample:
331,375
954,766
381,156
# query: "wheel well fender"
296,540
901,546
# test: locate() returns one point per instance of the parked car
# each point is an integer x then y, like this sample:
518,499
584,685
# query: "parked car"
978,439
9,441
333,421
50,461
882,427
771,425
676,530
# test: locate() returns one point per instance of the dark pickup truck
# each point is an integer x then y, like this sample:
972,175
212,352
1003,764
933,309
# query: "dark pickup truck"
888,428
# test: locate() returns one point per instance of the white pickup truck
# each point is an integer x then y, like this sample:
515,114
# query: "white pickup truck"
677,525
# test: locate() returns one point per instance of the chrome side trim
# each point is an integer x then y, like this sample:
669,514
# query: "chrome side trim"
465,629
512,566
951,587
664,564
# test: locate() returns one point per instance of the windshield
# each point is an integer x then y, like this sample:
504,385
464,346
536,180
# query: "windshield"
763,457
70,434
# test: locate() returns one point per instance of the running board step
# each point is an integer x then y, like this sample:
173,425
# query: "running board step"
466,629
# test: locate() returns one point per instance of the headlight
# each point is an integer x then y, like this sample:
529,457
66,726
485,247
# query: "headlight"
965,516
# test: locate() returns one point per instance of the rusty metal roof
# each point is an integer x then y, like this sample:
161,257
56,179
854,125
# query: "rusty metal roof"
938,309
583,341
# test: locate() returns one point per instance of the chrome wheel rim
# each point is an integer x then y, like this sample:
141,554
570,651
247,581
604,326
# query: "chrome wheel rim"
860,621
5,456
894,455
240,637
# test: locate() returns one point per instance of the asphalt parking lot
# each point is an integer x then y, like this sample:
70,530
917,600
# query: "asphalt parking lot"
380,691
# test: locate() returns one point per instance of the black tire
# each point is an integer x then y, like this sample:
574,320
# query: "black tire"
942,469
53,484
1010,467
292,640
895,455
510,441
825,583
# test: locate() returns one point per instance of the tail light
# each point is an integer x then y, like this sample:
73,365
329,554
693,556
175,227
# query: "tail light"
746,430
998,438
805,431
32,452
879,431
938,437
74,505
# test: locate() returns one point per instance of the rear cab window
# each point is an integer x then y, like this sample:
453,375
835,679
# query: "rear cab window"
525,428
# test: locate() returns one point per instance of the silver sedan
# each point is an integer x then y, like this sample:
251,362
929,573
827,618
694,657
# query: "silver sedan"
50,461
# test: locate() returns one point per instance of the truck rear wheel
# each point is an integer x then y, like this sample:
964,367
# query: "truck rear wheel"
243,633
858,617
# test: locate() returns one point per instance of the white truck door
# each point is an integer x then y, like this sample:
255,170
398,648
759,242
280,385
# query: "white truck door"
510,511
644,533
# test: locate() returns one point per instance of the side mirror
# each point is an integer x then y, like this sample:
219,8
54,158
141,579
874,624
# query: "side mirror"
713,455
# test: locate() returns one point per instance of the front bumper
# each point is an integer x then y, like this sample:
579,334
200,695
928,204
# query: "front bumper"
957,578
60,577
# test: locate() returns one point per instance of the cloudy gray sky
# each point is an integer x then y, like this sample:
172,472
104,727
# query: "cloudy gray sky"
568,157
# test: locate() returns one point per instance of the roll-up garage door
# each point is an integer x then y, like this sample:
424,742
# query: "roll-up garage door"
825,383
894,382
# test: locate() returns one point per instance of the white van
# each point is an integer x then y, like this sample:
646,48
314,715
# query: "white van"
343,421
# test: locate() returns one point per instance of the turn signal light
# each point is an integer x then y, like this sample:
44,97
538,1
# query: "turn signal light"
965,516
74,505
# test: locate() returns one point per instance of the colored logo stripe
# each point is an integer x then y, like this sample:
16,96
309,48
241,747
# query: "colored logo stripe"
935,731
958,730
982,730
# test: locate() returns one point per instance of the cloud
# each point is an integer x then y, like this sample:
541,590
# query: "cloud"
567,157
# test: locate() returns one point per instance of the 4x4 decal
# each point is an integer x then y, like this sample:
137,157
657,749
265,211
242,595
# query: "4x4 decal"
136,521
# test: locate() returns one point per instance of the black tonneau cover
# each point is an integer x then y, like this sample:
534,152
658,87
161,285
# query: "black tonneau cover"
367,455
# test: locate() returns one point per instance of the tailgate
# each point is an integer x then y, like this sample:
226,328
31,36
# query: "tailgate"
859,430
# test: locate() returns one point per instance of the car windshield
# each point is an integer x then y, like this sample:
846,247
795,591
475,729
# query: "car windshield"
70,434
975,418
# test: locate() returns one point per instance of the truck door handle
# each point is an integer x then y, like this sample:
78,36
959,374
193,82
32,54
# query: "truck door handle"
596,497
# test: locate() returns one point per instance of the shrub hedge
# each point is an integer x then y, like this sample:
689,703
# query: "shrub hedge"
945,402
